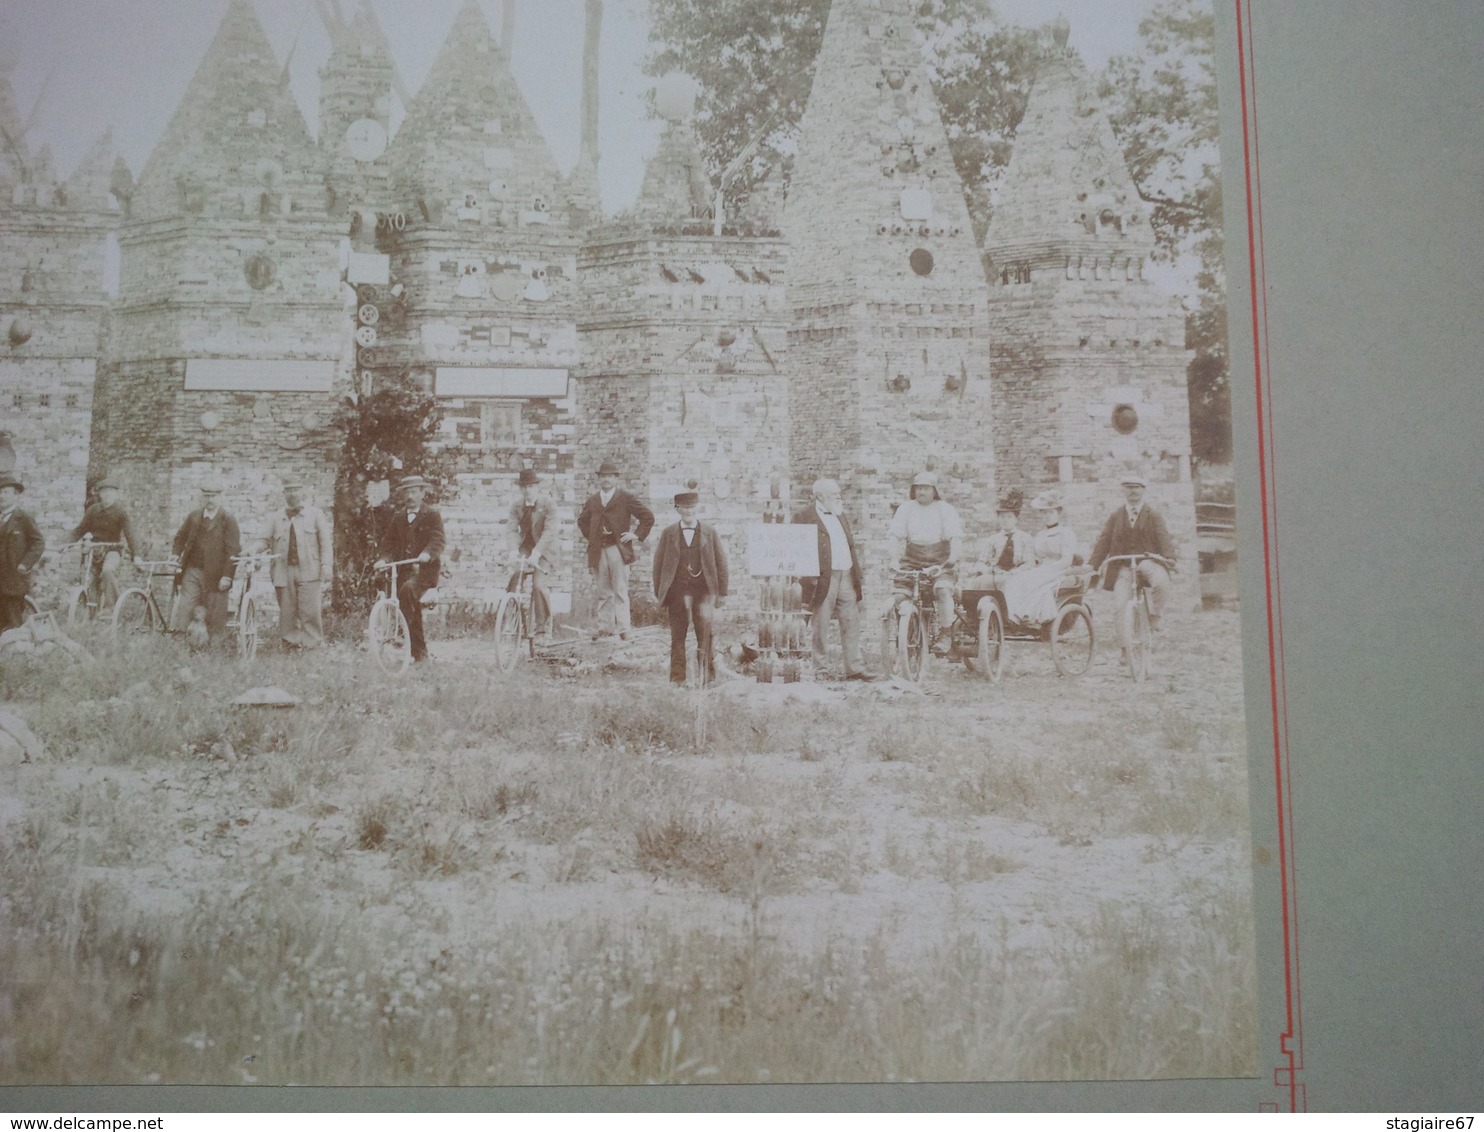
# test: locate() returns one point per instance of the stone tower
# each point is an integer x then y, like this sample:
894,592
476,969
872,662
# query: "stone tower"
356,84
888,349
1088,353
54,265
683,335
484,256
230,328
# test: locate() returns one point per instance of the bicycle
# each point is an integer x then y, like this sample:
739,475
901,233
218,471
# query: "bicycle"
387,632
85,598
910,623
252,601
513,622
1134,617
137,610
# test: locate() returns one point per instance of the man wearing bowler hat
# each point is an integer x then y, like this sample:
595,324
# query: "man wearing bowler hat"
690,580
413,531
21,546
106,521
613,521
1135,528
299,534
533,530
205,545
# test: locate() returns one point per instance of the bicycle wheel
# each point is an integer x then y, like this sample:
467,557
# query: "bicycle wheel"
913,645
133,614
1141,643
510,631
1072,640
891,645
78,610
991,659
390,640
247,628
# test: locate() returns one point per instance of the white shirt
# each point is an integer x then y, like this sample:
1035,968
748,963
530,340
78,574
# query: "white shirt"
606,497
688,533
839,546
937,522
1133,514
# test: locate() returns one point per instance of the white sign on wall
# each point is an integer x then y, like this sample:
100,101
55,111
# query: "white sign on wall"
499,381
782,548
307,375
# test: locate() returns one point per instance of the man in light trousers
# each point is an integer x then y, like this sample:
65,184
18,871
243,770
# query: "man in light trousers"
299,535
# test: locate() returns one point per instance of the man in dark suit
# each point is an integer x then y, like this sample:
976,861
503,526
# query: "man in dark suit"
413,531
1135,528
690,580
837,590
613,522
21,546
533,529
205,545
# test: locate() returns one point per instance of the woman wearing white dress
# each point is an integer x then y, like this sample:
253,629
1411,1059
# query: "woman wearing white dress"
1030,595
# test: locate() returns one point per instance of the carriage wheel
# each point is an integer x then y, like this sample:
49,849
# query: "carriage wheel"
991,640
509,631
391,643
132,614
912,645
247,628
1141,642
77,607
1072,640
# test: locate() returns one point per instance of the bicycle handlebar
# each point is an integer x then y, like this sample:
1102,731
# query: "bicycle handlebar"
404,562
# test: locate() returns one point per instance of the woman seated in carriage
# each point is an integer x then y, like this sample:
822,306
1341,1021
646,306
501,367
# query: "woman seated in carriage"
1031,592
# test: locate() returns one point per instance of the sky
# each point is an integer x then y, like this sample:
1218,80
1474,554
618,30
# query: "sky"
93,64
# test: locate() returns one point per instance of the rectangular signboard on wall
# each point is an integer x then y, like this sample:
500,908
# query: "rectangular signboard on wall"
305,375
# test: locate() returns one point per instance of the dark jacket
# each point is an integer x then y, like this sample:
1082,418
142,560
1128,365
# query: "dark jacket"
1147,536
667,560
601,525
401,540
218,543
817,589
21,545
107,524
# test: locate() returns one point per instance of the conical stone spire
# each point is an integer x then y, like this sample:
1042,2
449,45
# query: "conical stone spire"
237,137
470,140
1067,192
91,184
677,189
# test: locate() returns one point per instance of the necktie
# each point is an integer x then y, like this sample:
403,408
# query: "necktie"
292,559
1007,556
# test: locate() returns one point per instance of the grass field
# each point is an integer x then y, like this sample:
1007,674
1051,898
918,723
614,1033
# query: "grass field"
458,877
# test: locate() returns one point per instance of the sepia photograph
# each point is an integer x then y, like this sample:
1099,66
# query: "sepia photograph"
618,543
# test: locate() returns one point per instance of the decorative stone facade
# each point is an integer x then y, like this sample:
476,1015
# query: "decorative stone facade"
263,277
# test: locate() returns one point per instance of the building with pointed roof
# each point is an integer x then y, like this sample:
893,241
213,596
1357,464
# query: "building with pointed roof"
889,345
1088,352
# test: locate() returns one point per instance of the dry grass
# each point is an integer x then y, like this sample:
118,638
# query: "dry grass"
454,878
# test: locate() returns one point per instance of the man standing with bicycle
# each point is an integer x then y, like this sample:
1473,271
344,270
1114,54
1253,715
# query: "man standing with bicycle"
21,547
1135,528
300,537
106,521
533,529
205,545
413,531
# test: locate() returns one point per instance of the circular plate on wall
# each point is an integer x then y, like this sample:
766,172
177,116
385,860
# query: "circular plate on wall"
365,139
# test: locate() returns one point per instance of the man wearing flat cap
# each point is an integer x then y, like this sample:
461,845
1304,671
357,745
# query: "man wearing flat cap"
413,531
106,521
614,522
205,545
690,580
1135,528
299,534
21,546
533,530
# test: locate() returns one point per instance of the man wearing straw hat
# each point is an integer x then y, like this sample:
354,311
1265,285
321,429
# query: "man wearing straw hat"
21,546
613,521
205,545
1135,528
413,531
299,535
533,529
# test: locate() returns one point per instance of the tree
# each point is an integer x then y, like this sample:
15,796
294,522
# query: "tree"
1163,109
386,435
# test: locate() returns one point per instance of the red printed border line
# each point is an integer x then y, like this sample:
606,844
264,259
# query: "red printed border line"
1291,1038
